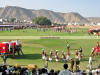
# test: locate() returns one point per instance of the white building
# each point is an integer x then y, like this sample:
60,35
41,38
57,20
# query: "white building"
98,24
1,20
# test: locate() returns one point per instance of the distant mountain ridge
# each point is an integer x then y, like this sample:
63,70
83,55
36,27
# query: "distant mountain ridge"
94,19
29,14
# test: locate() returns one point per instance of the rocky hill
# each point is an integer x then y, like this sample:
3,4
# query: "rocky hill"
94,19
29,14
53,16
74,17
17,12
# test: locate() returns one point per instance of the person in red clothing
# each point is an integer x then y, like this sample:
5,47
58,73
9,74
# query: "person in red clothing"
95,50
63,56
50,56
4,51
56,56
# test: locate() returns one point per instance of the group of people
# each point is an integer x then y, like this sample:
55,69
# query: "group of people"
78,55
67,57
44,55
64,58
18,70
17,48
9,49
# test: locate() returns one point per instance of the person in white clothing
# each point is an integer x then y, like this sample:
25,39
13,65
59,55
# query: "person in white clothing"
17,43
90,62
9,43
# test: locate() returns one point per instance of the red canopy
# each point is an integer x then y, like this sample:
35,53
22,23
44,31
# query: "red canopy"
4,48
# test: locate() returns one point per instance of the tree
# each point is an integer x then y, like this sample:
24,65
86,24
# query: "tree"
12,19
41,20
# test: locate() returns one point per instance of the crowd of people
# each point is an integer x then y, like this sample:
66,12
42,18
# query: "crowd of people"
78,55
74,62
33,70
65,58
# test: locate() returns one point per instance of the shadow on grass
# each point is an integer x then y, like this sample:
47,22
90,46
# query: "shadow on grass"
28,56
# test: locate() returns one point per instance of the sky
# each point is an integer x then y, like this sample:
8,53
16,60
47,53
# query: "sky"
87,8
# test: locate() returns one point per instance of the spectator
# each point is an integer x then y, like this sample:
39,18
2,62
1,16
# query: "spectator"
57,72
98,69
97,73
0,70
65,71
83,72
78,72
90,73
34,72
39,71
44,71
51,72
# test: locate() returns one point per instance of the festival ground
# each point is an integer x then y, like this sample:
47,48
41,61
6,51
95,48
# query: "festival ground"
32,48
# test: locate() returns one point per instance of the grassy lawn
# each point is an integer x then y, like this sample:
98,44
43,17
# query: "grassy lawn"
32,48
34,32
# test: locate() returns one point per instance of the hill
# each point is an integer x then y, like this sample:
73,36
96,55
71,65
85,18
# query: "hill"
75,17
53,16
94,19
17,12
29,14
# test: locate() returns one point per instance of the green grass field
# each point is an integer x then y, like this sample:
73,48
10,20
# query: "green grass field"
32,48
34,32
